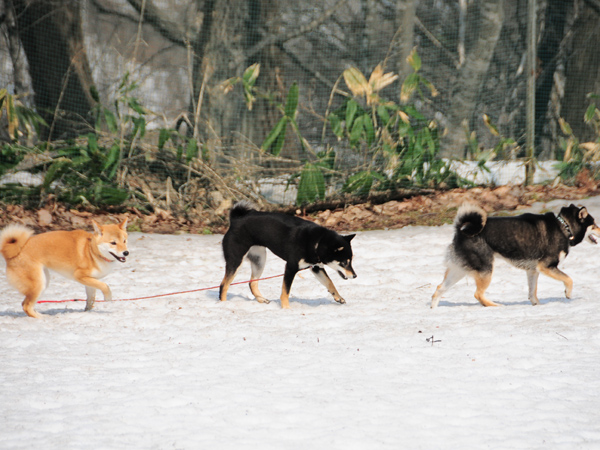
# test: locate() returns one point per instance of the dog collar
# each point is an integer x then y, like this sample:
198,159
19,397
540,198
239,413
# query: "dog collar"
567,227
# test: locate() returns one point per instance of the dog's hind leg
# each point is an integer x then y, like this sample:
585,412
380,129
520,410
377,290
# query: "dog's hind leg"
483,280
532,279
452,276
232,265
257,256
326,281
230,272
32,291
288,277
557,274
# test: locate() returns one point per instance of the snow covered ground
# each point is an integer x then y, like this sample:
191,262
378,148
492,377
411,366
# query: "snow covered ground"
382,371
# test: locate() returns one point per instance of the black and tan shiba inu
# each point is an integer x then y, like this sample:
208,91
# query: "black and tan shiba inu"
535,243
298,242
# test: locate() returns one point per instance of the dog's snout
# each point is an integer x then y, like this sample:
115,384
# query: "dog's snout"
125,253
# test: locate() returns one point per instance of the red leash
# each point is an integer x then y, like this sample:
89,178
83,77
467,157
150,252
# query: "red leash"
158,295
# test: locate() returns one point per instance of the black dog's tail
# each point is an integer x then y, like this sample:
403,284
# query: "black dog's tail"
240,209
470,219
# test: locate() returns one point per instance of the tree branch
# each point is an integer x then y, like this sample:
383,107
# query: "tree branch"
594,4
437,43
282,38
153,15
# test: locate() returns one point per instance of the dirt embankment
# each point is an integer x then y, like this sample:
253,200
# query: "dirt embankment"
433,208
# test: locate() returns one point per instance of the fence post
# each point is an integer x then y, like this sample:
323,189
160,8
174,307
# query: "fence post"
530,102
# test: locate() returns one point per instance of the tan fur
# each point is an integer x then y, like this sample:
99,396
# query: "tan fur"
285,297
79,255
482,281
225,286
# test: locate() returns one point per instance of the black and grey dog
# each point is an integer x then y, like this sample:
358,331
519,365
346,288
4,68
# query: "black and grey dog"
532,242
298,242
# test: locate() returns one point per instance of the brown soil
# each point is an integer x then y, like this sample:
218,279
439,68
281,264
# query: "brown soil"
435,208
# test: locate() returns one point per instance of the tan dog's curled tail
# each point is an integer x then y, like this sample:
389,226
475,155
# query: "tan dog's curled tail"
12,240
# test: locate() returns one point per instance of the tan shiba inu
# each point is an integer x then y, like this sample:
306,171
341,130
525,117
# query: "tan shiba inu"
78,255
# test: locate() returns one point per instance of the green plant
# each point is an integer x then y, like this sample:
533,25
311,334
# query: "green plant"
578,156
21,121
87,170
181,145
399,146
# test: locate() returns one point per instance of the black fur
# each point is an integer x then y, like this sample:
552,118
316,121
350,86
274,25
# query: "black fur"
297,241
524,240
533,242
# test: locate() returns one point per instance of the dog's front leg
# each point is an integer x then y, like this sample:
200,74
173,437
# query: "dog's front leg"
290,272
326,281
532,279
95,284
90,293
557,274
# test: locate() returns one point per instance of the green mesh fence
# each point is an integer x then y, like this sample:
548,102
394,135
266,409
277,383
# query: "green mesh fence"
175,103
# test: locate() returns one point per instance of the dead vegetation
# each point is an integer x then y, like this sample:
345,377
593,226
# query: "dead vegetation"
429,208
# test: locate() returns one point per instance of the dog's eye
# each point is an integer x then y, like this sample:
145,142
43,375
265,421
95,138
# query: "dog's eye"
113,243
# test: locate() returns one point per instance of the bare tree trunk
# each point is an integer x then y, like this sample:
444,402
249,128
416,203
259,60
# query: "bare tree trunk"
462,26
52,37
547,52
582,72
14,49
406,13
369,35
235,27
488,24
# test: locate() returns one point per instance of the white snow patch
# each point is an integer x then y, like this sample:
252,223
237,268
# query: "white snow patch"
188,371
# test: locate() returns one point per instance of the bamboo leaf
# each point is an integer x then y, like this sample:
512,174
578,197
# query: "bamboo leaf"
291,103
191,151
565,127
163,137
336,125
351,109
356,82
311,185
251,74
279,129
409,87
589,113
414,60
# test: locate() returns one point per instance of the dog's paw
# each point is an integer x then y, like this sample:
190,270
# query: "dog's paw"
262,300
340,300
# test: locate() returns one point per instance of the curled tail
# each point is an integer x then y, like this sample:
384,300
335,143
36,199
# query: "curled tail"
470,219
240,209
12,240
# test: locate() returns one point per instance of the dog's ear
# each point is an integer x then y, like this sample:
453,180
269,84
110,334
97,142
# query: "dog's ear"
583,213
349,237
97,229
123,225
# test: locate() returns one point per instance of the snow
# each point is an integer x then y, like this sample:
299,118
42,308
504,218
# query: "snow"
382,371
